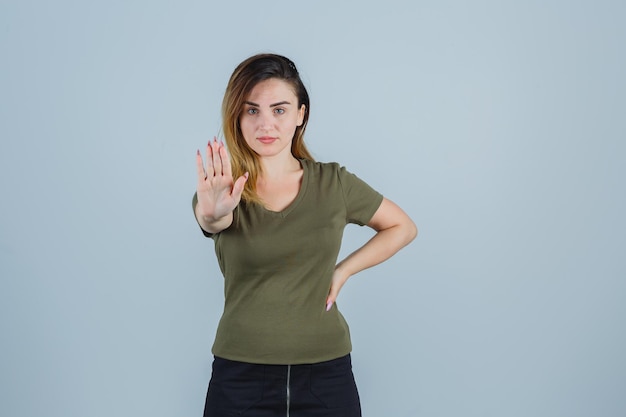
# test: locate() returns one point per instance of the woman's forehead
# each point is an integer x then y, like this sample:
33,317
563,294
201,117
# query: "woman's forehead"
268,91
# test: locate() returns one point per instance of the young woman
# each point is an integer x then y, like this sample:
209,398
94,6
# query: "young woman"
276,217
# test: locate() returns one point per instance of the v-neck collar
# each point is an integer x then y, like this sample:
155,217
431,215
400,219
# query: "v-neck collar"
303,185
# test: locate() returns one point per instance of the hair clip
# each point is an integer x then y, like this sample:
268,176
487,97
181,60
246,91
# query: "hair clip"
292,65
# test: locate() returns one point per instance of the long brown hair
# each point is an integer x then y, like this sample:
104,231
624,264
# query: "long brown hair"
248,74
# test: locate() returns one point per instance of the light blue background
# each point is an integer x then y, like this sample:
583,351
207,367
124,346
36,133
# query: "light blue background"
499,126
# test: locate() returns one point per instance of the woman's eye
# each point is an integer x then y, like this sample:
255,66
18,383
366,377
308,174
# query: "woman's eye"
279,111
252,111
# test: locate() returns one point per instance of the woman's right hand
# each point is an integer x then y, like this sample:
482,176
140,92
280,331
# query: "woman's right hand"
217,193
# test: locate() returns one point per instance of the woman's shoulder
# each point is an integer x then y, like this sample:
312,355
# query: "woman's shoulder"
322,167
333,170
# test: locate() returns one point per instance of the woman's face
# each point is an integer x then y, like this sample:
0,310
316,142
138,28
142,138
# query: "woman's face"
270,116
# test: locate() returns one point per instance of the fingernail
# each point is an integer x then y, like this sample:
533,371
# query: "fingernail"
198,152
329,305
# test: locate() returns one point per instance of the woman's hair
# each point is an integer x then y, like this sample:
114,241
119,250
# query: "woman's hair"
246,76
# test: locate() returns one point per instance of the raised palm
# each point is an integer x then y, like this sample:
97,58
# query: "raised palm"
218,194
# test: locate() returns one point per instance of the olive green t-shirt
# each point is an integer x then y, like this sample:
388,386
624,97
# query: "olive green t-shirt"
278,266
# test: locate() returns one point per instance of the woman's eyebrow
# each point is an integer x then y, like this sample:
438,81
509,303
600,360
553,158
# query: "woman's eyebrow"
280,103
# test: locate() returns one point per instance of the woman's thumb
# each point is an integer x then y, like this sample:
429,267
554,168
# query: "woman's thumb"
239,184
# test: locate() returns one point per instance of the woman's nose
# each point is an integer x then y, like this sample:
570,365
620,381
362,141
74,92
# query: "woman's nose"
266,120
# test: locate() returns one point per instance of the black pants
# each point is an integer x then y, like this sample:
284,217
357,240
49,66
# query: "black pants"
325,389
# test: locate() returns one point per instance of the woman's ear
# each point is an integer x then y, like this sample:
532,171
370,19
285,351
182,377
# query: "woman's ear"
301,114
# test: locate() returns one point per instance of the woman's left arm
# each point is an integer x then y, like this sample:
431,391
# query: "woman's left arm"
394,230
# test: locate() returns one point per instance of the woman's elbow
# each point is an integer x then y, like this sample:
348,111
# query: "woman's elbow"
410,231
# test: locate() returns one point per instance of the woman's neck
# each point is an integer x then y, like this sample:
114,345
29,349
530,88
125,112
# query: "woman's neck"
279,166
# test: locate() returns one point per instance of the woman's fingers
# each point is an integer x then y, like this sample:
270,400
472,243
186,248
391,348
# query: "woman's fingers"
336,283
210,172
200,167
217,161
226,167
332,296
215,176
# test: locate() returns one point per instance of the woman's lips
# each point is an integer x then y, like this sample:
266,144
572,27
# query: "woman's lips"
267,139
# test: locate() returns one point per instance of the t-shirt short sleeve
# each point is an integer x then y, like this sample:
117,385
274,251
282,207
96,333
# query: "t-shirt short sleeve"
361,200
